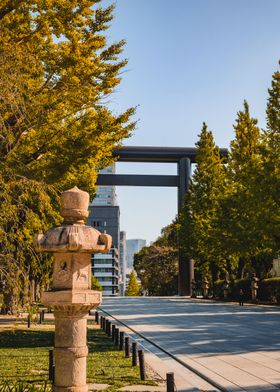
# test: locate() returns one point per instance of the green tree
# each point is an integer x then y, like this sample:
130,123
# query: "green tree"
95,285
157,264
28,209
270,178
245,232
57,71
133,288
157,268
199,215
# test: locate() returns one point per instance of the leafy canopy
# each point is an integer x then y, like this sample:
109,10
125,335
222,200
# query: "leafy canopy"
157,264
56,74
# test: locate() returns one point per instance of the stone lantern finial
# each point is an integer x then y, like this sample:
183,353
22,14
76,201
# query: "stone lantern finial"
74,206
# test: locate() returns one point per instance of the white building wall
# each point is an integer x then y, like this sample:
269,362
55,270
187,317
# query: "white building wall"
106,195
132,246
106,266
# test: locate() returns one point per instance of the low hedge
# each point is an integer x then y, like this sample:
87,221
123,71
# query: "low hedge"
218,290
234,288
237,285
268,291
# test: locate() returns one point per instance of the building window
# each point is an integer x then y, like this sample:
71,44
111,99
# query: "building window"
108,270
102,261
96,223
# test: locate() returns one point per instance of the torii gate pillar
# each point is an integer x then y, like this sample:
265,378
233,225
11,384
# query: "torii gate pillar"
186,266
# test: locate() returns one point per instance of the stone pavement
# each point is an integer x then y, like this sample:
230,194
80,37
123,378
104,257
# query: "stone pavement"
237,347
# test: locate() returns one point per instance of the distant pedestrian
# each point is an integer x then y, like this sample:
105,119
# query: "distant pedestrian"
241,297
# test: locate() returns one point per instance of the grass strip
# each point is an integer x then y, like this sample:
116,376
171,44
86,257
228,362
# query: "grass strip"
24,358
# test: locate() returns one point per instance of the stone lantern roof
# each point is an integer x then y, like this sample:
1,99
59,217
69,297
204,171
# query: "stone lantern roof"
73,235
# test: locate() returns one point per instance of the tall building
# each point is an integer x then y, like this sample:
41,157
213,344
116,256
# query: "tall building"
106,219
122,262
105,267
133,246
106,195
105,216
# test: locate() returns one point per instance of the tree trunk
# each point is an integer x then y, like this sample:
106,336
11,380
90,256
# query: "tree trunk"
240,268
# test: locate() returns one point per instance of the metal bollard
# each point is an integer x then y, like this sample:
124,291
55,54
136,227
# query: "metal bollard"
96,317
28,320
40,318
109,328
134,353
101,322
127,346
43,315
170,384
142,365
51,366
117,333
121,340
104,324
113,332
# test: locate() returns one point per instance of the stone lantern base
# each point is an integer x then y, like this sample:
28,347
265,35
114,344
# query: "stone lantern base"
71,310
63,298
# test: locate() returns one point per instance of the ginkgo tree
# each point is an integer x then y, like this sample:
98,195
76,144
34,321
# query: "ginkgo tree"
57,72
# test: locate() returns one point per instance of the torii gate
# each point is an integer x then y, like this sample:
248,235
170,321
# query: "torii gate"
183,157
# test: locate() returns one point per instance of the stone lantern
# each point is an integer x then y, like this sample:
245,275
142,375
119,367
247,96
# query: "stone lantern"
193,286
205,288
226,288
254,287
71,296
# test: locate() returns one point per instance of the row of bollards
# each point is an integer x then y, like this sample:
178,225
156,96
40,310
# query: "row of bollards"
130,350
123,343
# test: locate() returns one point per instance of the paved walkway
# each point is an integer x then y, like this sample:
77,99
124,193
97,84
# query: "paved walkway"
238,347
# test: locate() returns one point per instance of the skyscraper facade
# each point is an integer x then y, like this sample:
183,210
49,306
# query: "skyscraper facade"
106,195
105,216
105,267
133,246
122,262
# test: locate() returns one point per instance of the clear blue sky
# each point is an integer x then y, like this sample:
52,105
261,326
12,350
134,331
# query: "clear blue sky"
189,61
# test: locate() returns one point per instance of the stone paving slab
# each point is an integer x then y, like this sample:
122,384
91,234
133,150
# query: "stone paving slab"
184,380
262,371
212,375
263,360
235,375
142,388
239,347
97,387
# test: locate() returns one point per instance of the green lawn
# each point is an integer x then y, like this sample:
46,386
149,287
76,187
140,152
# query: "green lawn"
24,356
